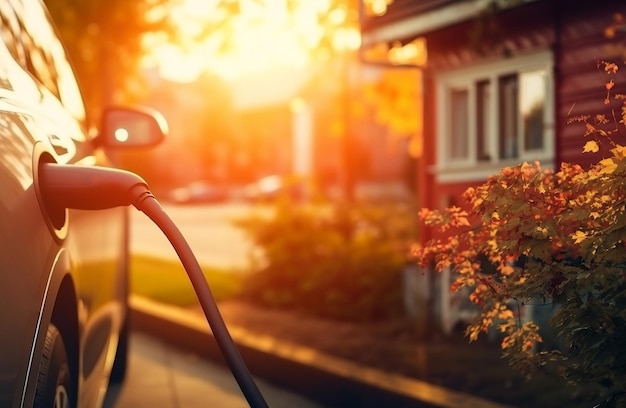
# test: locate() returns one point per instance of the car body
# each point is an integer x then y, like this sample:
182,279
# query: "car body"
64,276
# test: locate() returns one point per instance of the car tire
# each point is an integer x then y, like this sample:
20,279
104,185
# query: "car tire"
54,381
118,372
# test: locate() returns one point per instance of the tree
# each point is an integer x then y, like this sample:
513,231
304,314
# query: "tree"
105,41
557,239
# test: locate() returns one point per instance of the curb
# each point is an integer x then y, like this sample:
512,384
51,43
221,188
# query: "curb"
321,377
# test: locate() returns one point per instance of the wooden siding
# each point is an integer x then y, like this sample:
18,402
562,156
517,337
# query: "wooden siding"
581,89
491,37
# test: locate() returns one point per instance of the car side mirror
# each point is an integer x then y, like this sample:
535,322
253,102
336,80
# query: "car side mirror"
123,127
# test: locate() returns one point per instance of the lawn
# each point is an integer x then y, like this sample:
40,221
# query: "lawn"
166,281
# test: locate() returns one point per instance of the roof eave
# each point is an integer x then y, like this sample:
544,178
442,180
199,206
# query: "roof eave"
431,20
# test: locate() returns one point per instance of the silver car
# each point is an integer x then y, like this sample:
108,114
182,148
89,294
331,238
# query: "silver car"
63,273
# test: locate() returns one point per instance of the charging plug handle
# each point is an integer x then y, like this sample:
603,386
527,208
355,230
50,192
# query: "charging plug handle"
89,188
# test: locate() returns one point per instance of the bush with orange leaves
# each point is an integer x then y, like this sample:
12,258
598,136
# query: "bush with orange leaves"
556,238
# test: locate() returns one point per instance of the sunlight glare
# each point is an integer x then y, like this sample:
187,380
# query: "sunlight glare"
263,35
176,65
377,7
346,39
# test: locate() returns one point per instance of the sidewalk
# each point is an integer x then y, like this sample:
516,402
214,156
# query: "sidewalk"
163,376
326,379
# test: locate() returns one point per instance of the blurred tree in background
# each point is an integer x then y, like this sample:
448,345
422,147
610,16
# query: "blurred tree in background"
109,40
105,42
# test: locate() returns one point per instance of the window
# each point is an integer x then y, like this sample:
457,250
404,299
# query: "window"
458,141
532,107
35,46
494,115
507,117
483,100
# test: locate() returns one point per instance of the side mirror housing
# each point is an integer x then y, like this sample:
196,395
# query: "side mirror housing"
127,127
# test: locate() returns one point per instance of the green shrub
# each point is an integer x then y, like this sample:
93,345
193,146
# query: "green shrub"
330,260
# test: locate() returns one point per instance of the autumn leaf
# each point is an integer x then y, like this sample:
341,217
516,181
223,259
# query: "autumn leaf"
609,67
506,270
609,32
609,85
579,236
619,151
608,166
542,189
506,314
591,146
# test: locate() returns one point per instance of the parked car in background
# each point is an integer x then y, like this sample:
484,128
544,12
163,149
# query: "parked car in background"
63,273
199,192
273,187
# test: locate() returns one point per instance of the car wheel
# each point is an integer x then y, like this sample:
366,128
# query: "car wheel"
118,372
54,382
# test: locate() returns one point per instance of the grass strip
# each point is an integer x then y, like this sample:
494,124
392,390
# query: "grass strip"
166,281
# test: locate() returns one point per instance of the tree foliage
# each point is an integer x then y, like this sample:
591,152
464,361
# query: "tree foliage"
104,39
557,239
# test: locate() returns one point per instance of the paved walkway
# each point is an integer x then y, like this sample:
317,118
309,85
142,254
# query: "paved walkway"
326,379
161,376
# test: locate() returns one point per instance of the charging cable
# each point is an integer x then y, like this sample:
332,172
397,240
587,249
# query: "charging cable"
97,188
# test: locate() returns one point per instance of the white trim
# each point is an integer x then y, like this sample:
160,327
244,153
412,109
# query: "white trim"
480,173
451,170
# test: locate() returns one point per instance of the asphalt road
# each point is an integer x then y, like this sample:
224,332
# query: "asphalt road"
208,229
160,376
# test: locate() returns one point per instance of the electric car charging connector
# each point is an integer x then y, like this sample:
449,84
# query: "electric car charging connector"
96,188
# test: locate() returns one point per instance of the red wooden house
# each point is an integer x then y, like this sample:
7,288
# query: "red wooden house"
500,80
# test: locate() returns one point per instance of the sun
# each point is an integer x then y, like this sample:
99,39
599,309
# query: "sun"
244,38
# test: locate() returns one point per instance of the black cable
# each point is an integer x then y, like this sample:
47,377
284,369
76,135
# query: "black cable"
151,207
96,188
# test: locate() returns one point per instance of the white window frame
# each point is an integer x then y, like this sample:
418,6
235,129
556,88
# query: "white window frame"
450,169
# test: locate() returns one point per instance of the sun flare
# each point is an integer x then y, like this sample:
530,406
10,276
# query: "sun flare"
246,37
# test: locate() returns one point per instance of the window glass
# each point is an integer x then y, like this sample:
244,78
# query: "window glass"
46,60
39,63
532,107
9,29
483,118
458,143
9,41
507,117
